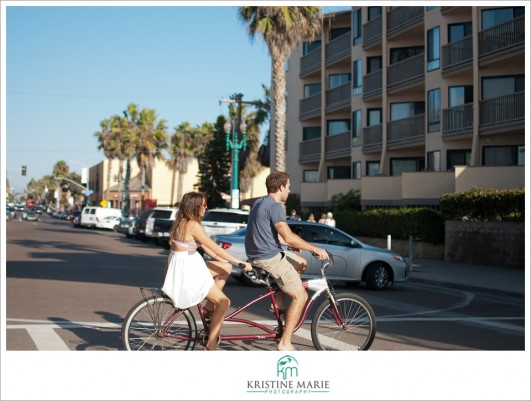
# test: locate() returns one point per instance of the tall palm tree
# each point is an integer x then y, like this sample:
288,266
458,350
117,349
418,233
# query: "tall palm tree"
282,28
108,142
152,139
182,151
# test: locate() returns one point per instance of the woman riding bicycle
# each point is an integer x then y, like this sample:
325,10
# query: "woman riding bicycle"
188,278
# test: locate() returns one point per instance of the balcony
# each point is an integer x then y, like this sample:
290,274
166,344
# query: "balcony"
310,151
458,122
372,138
338,50
401,19
338,146
457,54
372,33
372,85
339,97
406,131
310,107
310,63
502,37
406,72
504,111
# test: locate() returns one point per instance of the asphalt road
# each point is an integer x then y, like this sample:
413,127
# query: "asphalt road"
69,289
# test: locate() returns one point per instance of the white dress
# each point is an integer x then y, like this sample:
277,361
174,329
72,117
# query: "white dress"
188,279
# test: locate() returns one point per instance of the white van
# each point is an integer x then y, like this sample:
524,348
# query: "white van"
166,213
92,216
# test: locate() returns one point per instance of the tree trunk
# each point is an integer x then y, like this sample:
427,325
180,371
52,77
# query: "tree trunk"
279,96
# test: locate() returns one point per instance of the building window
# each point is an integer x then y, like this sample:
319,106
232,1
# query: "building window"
434,160
498,86
358,77
406,110
356,27
356,128
459,31
373,168
495,16
373,13
356,170
429,8
457,157
337,32
310,176
311,89
460,95
335,80
311,133
374,117
406,165
308,47
374,64
434,49
402,53
337,127
339,172
434,110
503,155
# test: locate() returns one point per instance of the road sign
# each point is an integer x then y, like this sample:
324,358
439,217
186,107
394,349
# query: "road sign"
103,203
87,192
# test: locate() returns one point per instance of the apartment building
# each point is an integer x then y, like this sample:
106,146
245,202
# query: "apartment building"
406,104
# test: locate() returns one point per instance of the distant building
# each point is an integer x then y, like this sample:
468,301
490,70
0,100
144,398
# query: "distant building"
406,104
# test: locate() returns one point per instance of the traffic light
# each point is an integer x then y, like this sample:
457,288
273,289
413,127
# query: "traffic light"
23,170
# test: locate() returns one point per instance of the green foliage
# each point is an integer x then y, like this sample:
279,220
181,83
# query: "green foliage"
480,204
422,223
214,167
349,201
293,202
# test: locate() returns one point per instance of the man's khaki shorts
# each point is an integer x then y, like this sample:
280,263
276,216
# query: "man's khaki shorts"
281,267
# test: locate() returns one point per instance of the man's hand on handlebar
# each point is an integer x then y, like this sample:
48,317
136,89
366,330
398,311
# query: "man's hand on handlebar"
321,253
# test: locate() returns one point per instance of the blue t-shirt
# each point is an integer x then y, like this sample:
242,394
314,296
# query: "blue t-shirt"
261,239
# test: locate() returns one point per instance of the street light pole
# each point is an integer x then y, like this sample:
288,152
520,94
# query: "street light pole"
235,145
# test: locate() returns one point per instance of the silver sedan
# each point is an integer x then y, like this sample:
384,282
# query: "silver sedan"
354,261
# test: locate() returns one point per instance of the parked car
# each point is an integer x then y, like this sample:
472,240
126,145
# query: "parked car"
224,221
159,213
91,216
76,219
31,216
109,223
354,261
140,225
127,226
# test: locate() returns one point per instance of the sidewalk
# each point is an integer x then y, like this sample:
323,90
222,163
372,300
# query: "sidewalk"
487,279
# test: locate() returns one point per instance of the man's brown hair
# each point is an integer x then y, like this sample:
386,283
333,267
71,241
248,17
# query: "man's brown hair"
275,180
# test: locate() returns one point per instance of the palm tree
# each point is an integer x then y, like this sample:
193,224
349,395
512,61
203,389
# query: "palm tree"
182,151
109,144
282,28
152,139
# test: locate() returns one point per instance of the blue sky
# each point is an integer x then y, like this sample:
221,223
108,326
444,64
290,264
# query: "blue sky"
69,67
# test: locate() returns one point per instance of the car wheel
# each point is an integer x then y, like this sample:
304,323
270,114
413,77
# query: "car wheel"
377,276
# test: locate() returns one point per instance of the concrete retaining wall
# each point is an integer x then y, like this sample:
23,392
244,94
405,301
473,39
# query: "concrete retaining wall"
485,243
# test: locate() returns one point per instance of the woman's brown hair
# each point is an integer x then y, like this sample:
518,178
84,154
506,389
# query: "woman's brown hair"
189,210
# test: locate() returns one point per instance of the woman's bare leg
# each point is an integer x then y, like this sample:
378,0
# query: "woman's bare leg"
220,272
222,303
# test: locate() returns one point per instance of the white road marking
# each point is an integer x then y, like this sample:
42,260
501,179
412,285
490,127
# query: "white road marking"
46,339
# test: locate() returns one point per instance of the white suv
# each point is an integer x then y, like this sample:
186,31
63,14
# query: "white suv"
224,221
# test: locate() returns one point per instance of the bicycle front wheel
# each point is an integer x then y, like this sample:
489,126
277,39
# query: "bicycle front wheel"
353,329
154,324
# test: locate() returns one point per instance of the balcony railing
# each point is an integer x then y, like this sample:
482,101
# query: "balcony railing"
502,109
406,129
338,48
502,36
458,118
372,83
339,96
372,136
310,62
401,17
405,70
338,145
457,52
310,106
310,150
372,31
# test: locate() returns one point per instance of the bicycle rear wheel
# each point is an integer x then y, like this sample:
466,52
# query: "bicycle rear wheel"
142,329
355,334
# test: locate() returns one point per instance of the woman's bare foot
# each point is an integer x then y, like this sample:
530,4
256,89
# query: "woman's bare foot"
285,347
